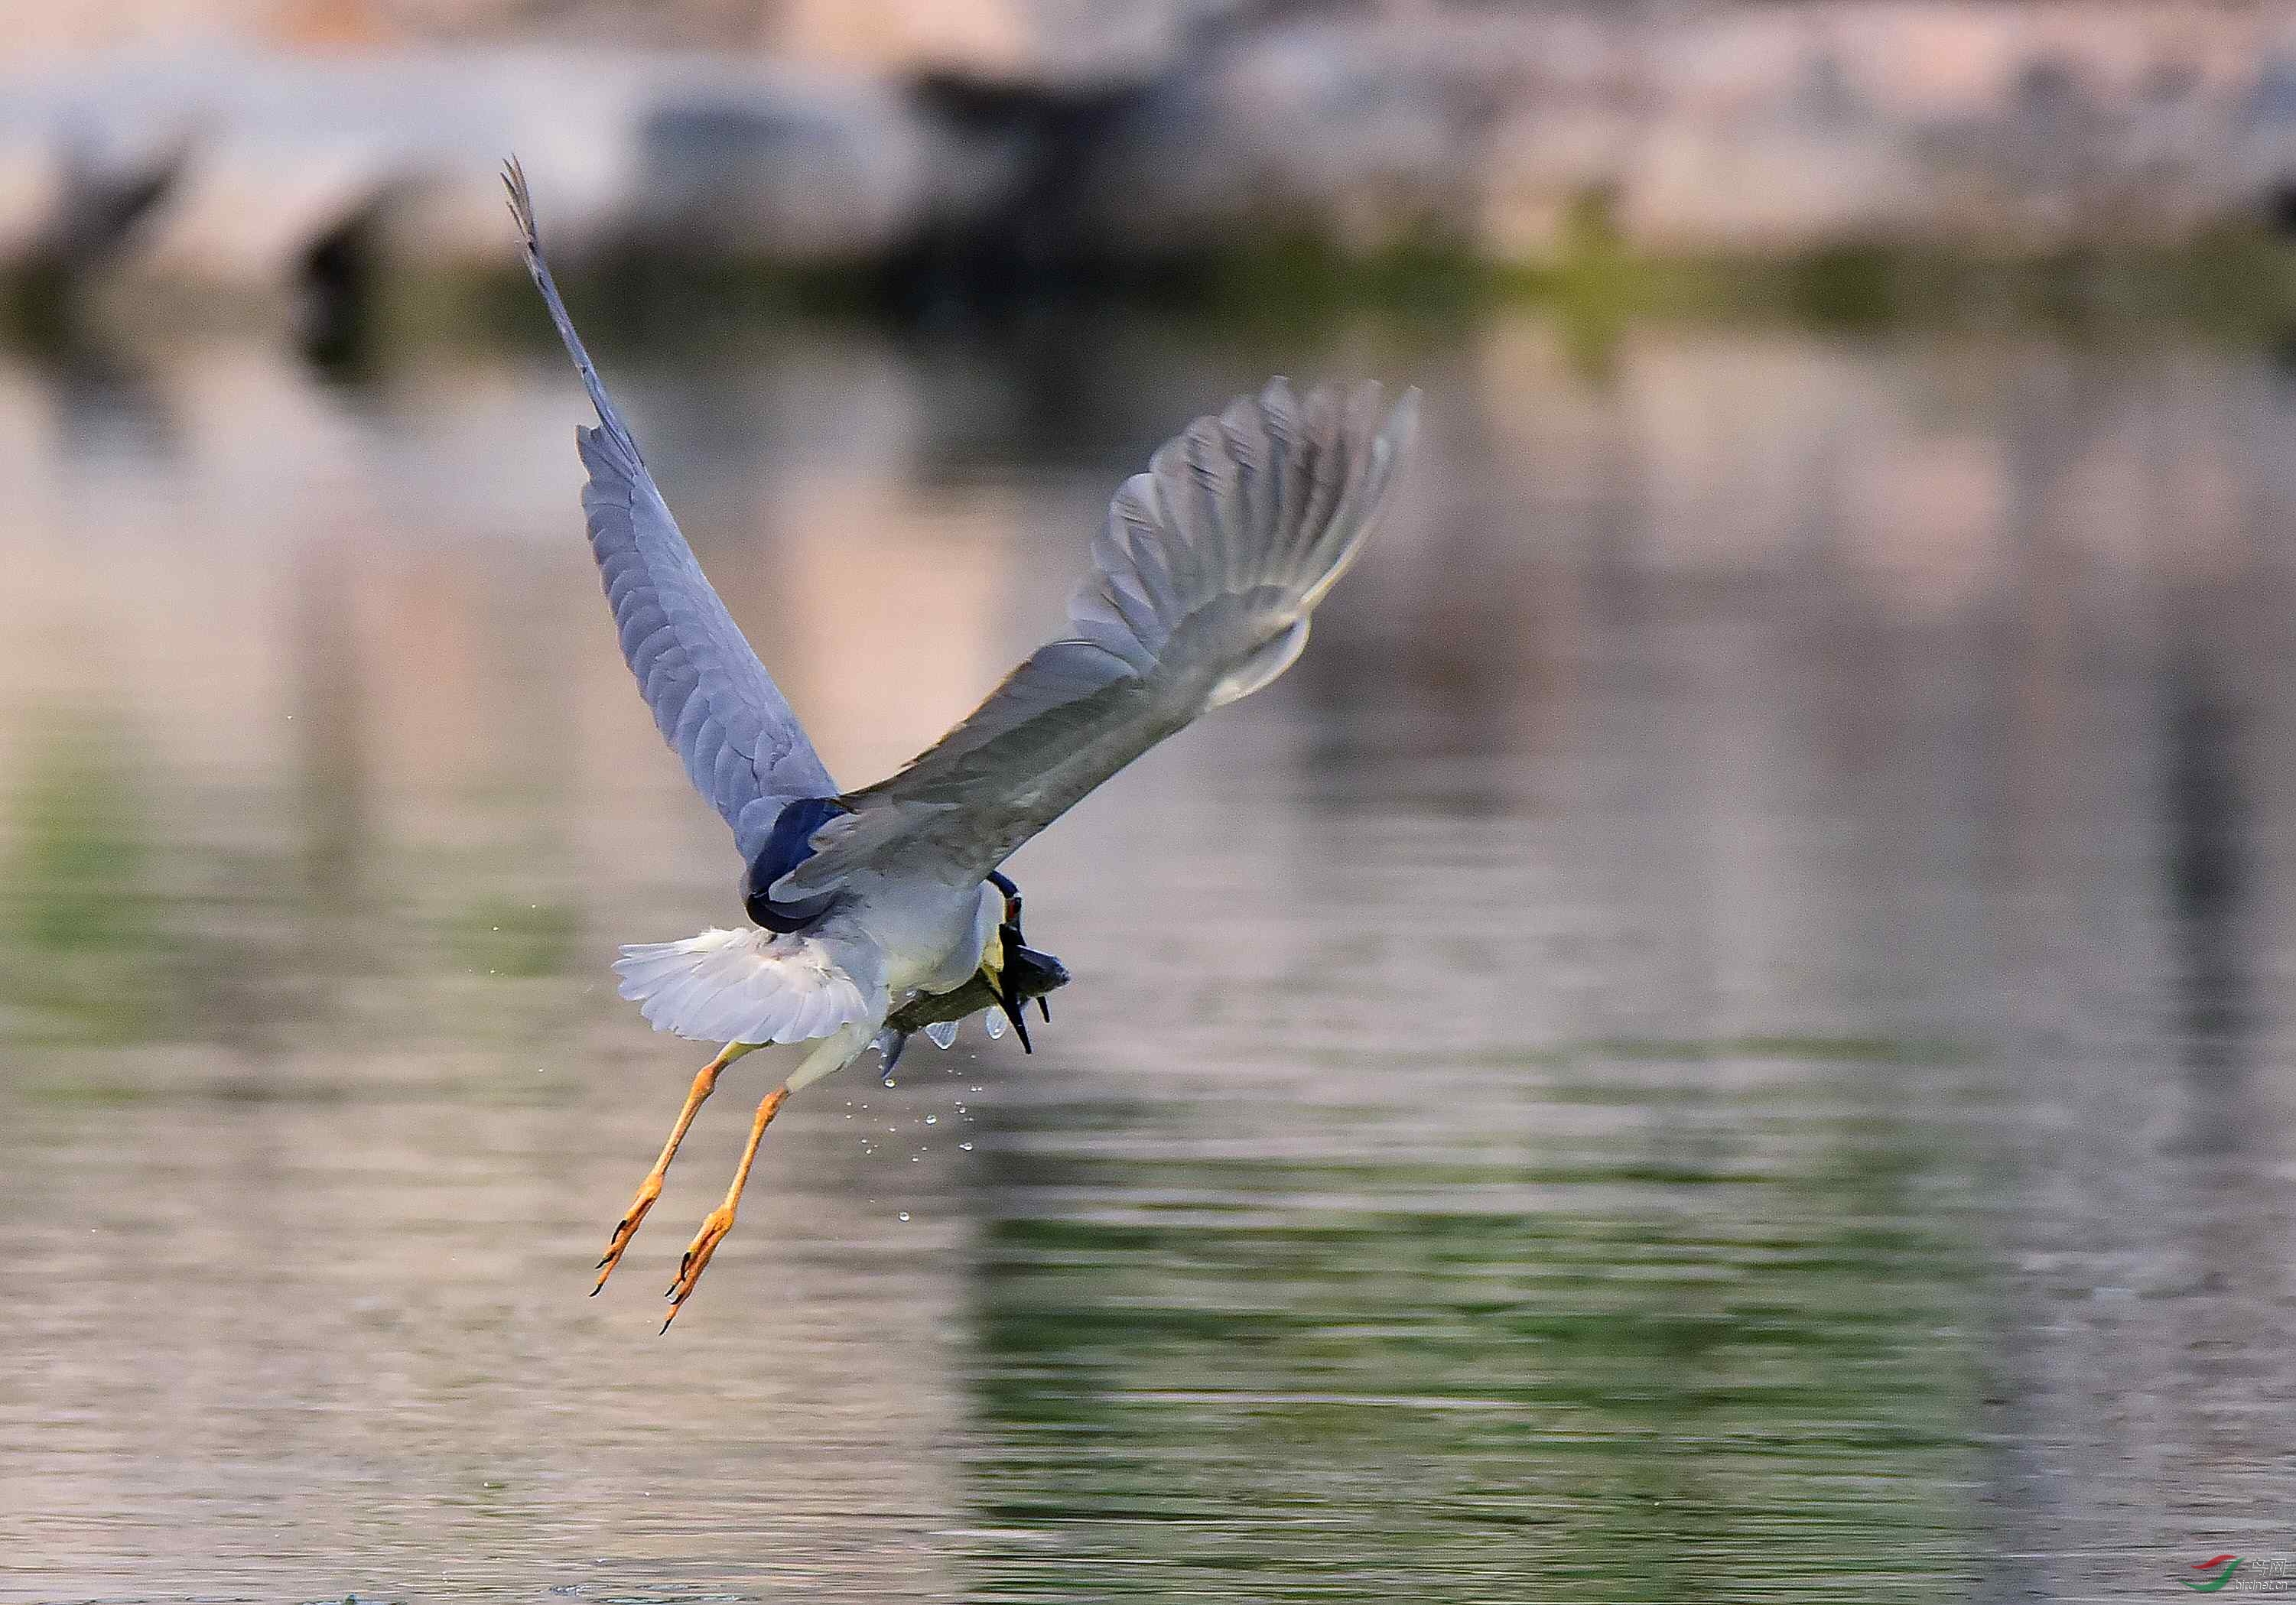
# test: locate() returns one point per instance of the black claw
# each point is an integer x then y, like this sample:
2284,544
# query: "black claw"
1044,1007
665,1325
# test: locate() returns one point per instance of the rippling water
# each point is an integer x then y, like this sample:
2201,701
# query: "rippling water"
1717,1039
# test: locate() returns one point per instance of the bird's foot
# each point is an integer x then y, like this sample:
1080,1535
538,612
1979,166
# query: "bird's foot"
713,1228
627,1228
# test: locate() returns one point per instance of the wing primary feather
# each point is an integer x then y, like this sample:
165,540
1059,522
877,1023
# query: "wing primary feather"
522,207
1246,439
1279,415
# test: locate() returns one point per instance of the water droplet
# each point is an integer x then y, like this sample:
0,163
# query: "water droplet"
992,1022
967,1147
905,1215
930,1119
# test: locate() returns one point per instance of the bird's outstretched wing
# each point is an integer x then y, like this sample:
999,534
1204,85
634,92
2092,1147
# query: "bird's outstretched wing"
713,700
1203,580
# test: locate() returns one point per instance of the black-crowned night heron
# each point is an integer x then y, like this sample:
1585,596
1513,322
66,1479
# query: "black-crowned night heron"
881,911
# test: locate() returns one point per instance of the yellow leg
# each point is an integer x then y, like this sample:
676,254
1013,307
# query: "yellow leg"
704,1084
720,1220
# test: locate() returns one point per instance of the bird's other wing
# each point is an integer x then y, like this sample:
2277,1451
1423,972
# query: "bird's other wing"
712,699
1204,580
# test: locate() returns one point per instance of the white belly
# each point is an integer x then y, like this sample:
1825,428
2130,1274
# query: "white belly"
931,937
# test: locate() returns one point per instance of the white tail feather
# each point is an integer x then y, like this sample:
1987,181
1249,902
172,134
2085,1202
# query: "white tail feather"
742,986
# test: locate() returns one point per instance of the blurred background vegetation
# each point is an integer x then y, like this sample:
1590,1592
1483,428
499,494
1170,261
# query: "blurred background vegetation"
327,164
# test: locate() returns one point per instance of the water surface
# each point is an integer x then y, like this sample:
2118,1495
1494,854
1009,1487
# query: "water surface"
1717,1039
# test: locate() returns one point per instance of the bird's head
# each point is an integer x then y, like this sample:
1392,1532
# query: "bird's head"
1017,972
1011,975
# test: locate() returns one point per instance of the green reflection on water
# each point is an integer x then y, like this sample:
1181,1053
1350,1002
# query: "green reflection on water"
142,907
501,937
1662,1378
93,960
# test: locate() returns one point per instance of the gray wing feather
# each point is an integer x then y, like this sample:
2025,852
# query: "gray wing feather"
713,702
1204,576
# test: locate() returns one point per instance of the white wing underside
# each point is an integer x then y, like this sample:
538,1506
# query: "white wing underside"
745,985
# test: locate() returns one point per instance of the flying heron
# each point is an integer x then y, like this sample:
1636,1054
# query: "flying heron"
883,910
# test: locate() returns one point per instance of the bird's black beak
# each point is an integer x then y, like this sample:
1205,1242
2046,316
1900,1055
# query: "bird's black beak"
1009,995
1009,934
1006,1002
1025,973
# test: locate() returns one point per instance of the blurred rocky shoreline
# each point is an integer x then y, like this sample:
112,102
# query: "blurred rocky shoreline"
258,163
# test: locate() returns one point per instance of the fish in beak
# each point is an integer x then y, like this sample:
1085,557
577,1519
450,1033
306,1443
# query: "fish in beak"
1011,975
1021,971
